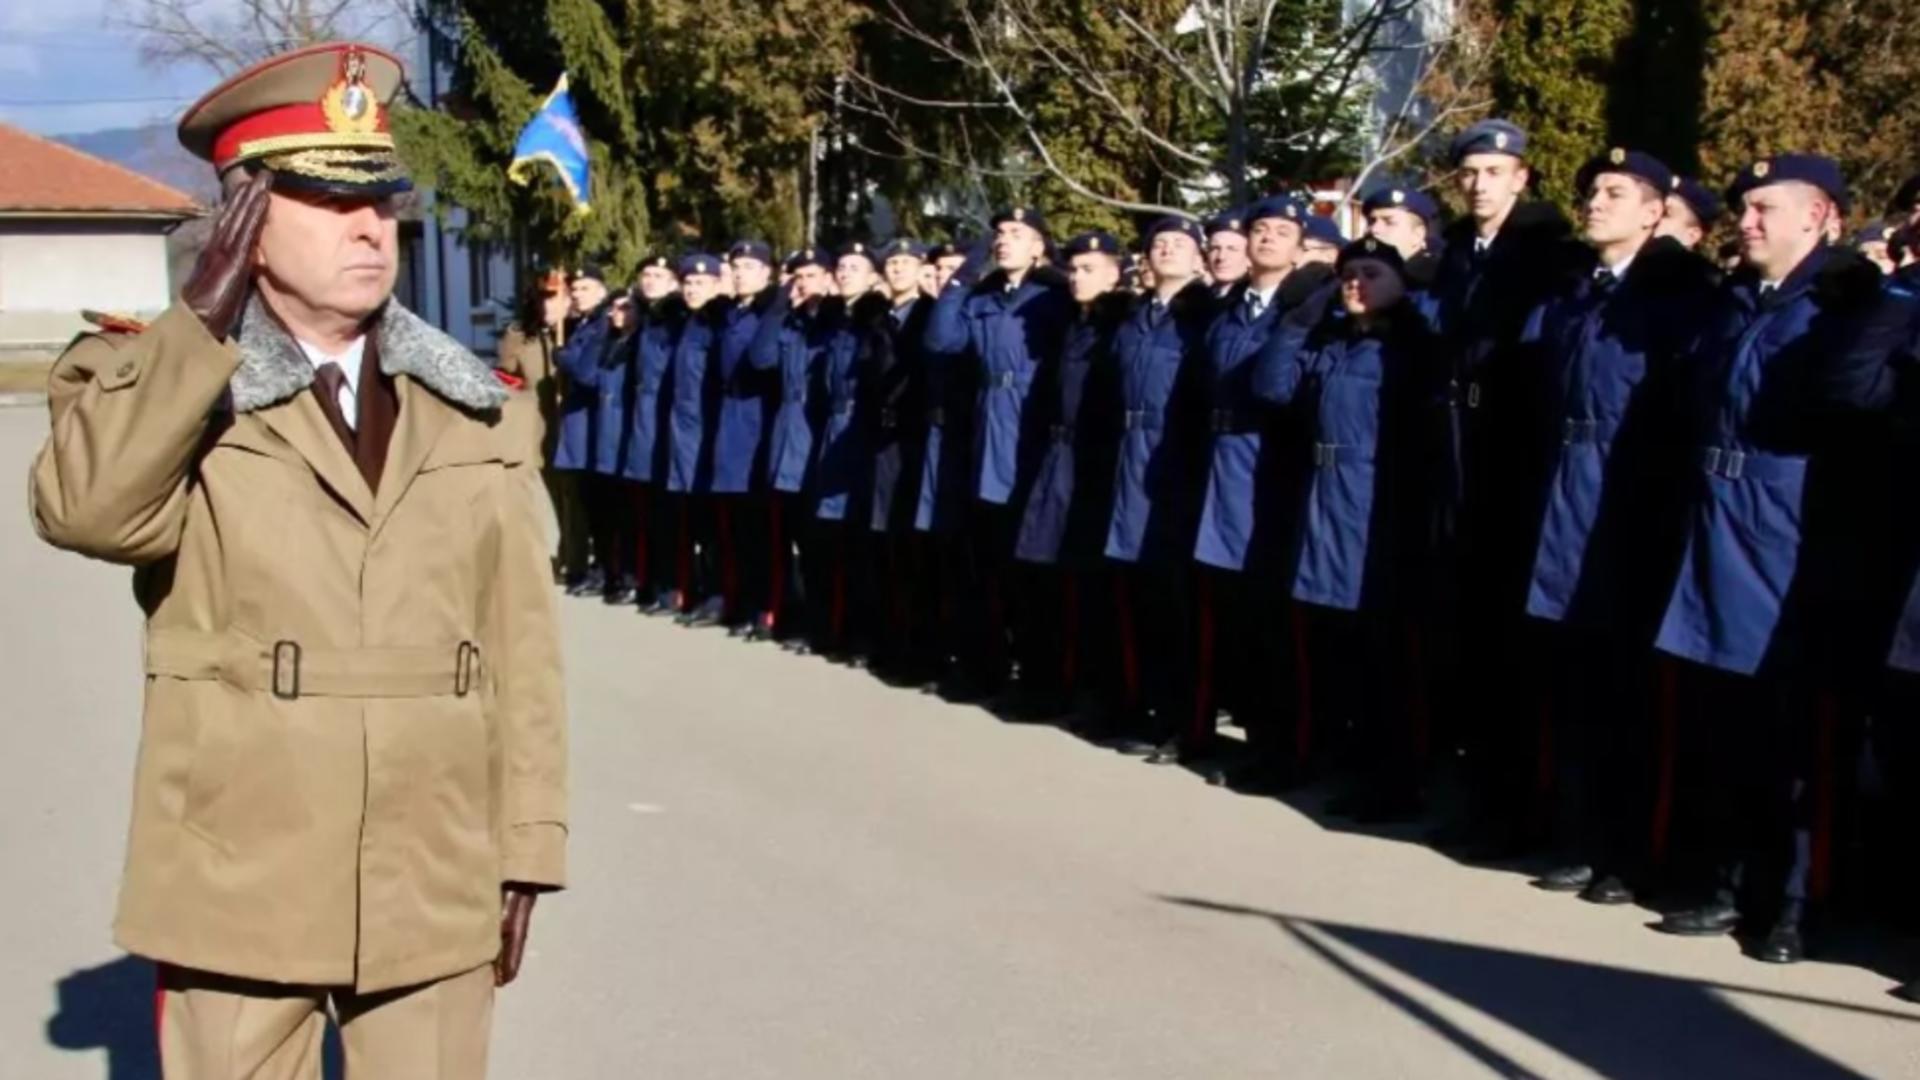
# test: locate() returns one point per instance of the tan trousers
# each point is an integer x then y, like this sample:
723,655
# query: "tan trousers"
213,1027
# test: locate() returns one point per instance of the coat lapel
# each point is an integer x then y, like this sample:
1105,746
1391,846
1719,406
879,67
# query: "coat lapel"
424,419
300,422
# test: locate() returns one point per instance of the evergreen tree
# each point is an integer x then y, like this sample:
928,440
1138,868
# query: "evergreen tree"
1552,63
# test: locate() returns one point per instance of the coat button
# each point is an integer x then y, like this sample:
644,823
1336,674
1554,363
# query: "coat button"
126,369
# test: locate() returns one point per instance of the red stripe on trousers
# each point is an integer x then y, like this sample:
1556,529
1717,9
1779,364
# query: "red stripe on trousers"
1203,725
1668,751
1129,656
1303,688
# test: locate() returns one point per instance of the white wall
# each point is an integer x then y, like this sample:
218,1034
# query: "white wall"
50,270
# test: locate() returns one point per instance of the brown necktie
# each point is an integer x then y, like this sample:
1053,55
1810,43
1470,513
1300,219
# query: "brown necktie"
328,380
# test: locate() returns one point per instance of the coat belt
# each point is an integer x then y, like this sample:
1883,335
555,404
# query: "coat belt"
288,670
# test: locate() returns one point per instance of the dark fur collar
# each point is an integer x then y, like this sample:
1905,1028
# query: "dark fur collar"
273,369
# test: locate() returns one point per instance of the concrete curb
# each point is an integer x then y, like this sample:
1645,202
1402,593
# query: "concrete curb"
22,400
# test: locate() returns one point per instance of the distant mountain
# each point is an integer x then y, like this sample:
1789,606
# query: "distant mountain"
153,151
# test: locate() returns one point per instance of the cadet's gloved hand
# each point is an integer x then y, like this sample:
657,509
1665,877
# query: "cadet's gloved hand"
217,289
516,913
979,262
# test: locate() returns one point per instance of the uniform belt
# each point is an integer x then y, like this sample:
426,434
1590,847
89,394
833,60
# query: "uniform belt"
1584,429
1061,433
1728,463
1467,396
1001,381
1231,422
1138,419
795,399
889,419
936,416
1328,455
288,670
841,408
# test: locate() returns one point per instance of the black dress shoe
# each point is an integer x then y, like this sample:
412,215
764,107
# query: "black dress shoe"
617,597
1784,944
1911,991
1134,746
1711,920
1609,890
1565,879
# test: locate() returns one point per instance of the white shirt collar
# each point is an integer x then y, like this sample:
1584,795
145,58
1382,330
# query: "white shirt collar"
349,362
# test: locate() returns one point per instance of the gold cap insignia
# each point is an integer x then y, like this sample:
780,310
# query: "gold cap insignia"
1500,140
1761,169
1398,197
1019,213
1617,156
348,105
1093,243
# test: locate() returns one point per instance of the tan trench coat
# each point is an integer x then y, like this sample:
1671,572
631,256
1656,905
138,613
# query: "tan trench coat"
353,729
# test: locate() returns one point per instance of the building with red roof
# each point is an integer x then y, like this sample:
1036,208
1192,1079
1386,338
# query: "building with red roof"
77,232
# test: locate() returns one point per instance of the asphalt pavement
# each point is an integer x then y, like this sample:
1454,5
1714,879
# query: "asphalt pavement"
786,869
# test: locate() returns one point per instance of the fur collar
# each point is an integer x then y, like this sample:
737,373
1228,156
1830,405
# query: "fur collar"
273,369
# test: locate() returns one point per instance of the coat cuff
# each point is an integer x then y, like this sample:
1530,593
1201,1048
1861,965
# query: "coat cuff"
536,854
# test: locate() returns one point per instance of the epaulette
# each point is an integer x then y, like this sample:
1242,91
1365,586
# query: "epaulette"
110,323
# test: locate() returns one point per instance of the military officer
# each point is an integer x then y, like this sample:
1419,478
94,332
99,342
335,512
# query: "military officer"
739,470
351,786
578,444
1795,339
1158,355
1227,263
1613,339
1404,217
903,594
693,408
999,326
648,525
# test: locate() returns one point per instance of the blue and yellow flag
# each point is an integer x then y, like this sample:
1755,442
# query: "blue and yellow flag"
554,136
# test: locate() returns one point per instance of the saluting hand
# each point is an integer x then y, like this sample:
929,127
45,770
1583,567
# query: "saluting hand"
217,289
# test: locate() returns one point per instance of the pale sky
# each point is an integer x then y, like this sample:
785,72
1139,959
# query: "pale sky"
63,51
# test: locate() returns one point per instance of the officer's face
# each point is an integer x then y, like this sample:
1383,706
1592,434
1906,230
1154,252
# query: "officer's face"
1405,230
1369,286
1227,257
1621,208
855,275
1780,224
697,289
587,294
656,283
1017,246
333,256
749,275
945,267
810,282
1273,244
903,275
1174,256
1092,276
1681,223
1492,183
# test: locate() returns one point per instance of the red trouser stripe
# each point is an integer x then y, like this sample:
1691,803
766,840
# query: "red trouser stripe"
1129,655
1825,732
1303,688
1203,725
729,558
777,579
1070,629
1668,751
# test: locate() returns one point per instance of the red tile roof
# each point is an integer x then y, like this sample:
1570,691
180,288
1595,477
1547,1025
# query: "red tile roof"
39,174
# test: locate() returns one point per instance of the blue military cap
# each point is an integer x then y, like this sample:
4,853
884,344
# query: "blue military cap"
1489,137
1322,228
1401,198
1368,248
750,249
1025,215
1876,233
1700,199
1186,227
1232,220
945,249
655,262
1632,163
1094,243
1278,206
1821,172
590,271
902,247
808,256
860,249
698,263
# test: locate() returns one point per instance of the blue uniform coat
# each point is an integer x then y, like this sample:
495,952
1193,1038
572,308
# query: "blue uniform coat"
649,391
1774,376
1159,360
792,344
579,360
898,423
739,443
1067,509
694,406
844,449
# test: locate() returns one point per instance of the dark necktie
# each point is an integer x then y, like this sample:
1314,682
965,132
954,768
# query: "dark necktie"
332,380
1604,281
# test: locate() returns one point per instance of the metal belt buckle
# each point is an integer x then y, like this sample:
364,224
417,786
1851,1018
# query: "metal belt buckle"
1473,395
1325,455
465,660
1134,419
1736,464
286,670
1222,421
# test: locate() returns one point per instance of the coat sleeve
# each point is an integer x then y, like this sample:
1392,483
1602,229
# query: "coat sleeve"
520,648
764,353
129,413
1280,369
946,323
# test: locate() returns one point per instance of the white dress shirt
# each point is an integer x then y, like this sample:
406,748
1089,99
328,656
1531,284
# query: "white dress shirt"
349,362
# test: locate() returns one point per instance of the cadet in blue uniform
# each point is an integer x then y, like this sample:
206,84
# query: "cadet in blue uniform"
1321,241
693,409
648,529
1409,219
1159,365
1001,328
1612,340
1242,526
600,364
1692,209
1362,377
903,596
1796,339
944,491
1227,261
739,462
791,342
575,442
1064,521
1496,266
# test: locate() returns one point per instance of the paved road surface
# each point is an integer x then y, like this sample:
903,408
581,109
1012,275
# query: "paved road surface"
784,869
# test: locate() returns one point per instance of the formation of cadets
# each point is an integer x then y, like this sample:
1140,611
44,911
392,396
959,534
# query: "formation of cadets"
1607,539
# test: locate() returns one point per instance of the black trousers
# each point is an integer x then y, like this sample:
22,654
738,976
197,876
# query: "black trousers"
788,589
1241,658
840,602
1359,694
1152,617
989,624
611,523
1603,738
741,556
575,555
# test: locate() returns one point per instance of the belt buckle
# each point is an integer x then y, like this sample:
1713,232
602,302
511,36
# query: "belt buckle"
465,659
286,670
1473,395
1710,460
1736,464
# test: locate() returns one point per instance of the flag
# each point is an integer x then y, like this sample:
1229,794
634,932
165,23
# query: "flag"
554,136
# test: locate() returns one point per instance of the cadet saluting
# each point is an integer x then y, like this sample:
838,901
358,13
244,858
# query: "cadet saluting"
354,755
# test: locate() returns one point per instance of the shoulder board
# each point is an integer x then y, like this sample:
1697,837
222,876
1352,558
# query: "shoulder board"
512,382
109,323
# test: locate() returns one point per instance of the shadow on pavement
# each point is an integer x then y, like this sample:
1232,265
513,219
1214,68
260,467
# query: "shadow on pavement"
1613,1021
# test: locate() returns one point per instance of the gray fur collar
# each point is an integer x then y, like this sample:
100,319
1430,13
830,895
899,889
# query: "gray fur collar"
273,369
